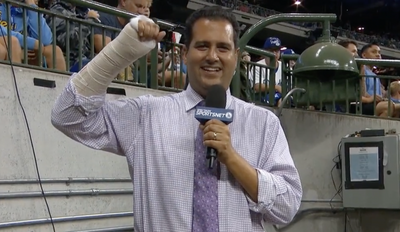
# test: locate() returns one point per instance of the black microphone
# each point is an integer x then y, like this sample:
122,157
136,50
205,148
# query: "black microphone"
214,109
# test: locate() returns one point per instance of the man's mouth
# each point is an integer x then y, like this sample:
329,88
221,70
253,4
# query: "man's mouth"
211,69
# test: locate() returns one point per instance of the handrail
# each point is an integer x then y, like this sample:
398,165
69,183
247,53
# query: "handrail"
115,11
284,100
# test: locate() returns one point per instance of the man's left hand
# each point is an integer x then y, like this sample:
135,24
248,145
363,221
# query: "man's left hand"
216,134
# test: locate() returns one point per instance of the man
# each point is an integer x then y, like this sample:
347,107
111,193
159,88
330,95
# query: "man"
371,87
350,45
259,76
16,22
131,6
255,179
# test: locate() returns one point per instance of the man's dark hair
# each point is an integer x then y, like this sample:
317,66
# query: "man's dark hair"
212,13
367,46
346,43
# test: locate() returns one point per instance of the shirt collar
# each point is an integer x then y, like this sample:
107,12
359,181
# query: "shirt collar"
192,98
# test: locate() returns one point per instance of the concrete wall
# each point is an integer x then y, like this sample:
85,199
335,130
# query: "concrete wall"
58,158
313,139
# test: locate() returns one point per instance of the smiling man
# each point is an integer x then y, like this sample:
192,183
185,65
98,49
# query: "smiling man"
255,179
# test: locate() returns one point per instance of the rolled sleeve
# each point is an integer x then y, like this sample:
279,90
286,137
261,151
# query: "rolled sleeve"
279,186
269,189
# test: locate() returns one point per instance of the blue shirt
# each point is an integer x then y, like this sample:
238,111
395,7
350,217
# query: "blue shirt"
111,21
372,82
157,136
16,24
396,101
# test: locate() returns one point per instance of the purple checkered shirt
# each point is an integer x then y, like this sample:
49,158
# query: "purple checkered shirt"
157,135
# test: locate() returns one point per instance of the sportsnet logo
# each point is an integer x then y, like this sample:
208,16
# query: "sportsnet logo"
208,113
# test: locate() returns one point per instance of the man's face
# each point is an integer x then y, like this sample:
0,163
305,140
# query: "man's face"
276,51
374,52
134,6
352,49
211,57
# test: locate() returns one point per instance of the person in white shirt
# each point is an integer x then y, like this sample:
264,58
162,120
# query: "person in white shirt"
259,76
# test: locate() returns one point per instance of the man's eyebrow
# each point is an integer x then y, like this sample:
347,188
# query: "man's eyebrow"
218,43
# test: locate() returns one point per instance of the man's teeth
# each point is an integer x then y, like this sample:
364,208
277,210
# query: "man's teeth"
211,69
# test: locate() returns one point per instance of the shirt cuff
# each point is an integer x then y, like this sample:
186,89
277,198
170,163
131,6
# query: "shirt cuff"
86,105
268,191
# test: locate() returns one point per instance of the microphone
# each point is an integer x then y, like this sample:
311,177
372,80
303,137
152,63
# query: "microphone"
214,109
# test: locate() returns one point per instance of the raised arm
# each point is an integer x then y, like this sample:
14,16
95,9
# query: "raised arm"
81,112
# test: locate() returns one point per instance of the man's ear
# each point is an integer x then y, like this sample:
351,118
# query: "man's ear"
184,52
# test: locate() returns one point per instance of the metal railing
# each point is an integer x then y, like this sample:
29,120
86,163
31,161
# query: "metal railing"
295,93
162,69
76,218
69,43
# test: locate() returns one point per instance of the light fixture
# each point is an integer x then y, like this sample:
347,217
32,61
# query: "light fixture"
297,2
329,73
326,61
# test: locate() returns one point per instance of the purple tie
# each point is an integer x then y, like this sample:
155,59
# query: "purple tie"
205,190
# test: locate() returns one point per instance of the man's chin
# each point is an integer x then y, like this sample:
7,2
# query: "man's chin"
211,81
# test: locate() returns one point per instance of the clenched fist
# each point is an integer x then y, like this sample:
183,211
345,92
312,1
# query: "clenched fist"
148,31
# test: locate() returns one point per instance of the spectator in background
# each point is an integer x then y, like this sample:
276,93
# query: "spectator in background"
289,52
257,74
33,39
146,10
176,70
164,59
371,87
350,45
78,33
131,6
140,7
382,108
246,58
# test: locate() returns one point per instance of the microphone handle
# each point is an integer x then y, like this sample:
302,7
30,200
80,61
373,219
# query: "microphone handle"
211,157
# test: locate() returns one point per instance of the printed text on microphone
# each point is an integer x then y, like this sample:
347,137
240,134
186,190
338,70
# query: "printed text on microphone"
210,113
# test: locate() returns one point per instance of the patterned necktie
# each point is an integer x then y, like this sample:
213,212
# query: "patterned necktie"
205,190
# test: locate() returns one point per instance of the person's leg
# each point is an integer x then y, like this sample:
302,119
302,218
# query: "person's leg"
382,109
16,51
59,61
3,52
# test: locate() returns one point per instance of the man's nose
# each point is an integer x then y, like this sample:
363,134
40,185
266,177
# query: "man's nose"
212,55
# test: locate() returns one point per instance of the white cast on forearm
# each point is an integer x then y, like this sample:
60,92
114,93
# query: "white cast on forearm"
97,75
